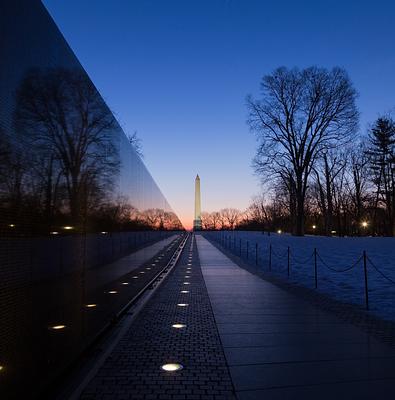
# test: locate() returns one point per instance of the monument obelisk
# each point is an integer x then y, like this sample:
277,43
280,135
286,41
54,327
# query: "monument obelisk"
197,222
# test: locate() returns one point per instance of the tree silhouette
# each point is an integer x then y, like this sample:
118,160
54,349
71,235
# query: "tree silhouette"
301,114
382,160
67,126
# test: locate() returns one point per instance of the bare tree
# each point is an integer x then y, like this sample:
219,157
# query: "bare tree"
152,217
258,211
136,143
171,221
358,182
215,219
231,216
300,115
64,118
206,220
328,168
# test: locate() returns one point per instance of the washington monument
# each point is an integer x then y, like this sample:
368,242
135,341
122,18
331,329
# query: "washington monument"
197,222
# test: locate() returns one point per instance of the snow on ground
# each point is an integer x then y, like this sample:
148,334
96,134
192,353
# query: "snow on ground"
337,253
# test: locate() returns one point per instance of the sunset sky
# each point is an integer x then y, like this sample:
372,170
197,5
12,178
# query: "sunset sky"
178,72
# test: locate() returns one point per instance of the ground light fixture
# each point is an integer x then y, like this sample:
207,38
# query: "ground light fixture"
184,291
178,326
135,277
68,228
112,292
125,283
148,268
182,304
186,283
171,367
91,305
57,327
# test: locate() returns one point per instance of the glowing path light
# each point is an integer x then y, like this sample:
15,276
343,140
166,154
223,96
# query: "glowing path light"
57,327
171,367
178,326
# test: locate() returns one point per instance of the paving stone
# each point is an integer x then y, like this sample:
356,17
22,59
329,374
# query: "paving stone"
280,346
133,368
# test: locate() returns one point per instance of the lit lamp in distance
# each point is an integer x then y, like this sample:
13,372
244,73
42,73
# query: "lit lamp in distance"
365,225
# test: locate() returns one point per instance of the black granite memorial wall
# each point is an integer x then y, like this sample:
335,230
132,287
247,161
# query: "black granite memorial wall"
74,197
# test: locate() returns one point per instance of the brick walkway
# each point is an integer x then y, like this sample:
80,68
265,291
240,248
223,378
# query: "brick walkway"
133,369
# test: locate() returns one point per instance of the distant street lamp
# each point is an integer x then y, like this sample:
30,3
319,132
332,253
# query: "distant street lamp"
364,224
314,226
279,231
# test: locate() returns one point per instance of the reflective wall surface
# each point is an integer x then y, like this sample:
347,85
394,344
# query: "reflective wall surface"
74,198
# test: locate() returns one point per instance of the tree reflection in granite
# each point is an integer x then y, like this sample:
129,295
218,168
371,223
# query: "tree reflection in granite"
62,166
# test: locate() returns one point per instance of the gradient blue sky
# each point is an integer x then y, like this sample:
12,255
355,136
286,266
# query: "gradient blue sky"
178,73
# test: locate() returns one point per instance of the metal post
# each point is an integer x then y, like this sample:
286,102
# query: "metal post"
240,247
247,249
270,257
256,253
288,260
315,267
366,280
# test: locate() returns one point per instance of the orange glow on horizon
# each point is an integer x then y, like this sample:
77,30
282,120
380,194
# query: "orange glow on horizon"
186,220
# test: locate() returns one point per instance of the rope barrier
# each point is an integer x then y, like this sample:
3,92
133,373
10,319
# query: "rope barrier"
339,270
301,262
305,261
278,255
381,273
